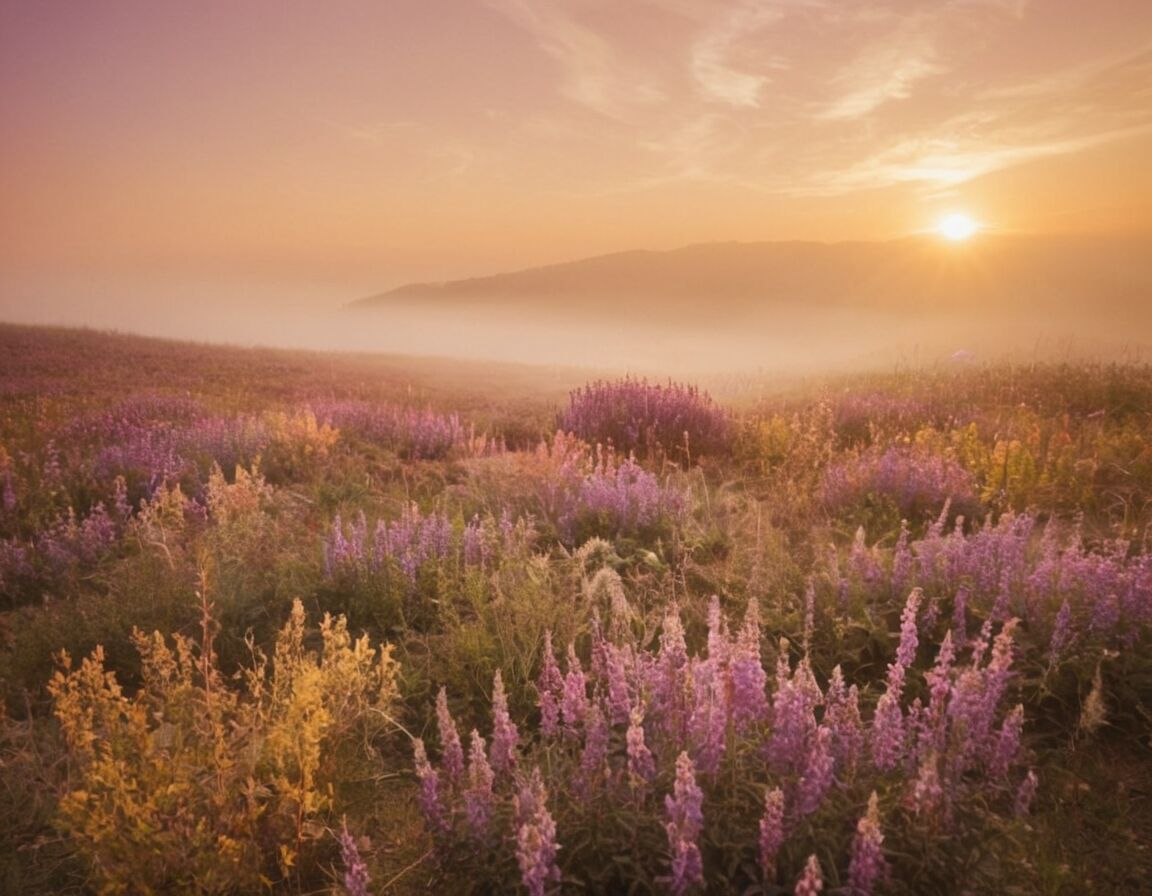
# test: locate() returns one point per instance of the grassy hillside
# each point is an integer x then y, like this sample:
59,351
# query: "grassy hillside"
444,627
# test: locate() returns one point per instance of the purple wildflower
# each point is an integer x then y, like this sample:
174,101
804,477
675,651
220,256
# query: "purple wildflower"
356,877
887,732
641,766
1026,793
707,726
793,716
478,795
717,634
685,822
927,792
550,686
617,661
1061,633
536,845
934,719
906,652
593,759
1007,747
452,750
867,865
771,831
505,736
749,701
669,685
574,703
812,880
429,789
842,716
817,776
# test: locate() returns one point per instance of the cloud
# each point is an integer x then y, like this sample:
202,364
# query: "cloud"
712,57
593,73
1009,124
451,161
822,97
880,75
944,163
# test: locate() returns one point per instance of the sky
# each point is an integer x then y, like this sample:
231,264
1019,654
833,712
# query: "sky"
289,154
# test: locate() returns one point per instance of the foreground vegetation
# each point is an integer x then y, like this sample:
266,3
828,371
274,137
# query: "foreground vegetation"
315,624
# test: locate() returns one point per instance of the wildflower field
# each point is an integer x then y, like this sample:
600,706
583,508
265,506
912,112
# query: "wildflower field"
303,623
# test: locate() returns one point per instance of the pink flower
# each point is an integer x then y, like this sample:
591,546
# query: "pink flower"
453,751
749,702
707,727
842,716
1026,793
593,760
818,775
927,794
641,766
909,640
812,880
771,831
793,718
478,795
684,808
429,789
356,877
887,732
550,686
867,864
1007,746
536,845
574,702
505,737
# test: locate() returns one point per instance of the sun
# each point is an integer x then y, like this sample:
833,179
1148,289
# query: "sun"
957,226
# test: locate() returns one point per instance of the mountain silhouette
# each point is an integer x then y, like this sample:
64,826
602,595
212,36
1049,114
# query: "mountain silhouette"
708,283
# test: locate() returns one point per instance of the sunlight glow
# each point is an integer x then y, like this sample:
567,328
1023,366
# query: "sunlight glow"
957,226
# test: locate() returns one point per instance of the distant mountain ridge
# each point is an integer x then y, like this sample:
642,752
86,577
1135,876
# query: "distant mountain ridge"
752,280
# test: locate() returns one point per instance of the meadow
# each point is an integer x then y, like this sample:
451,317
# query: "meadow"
309,623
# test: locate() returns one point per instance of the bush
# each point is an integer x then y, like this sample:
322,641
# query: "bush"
192,786
675,420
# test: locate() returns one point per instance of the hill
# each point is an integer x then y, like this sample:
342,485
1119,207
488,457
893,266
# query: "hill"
709,283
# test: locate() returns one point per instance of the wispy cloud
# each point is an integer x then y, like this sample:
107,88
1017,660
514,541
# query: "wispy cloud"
820,97
944,163
879,75
593,73
713,58
451,161
1010,124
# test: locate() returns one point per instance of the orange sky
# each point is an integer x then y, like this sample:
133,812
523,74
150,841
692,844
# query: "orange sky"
359,145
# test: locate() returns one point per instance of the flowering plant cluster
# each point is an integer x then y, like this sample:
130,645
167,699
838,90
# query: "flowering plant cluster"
154,440
67,546
864,418
913,483
405,547
414,434
651,741
576,492
1070,596
403,569
636,416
